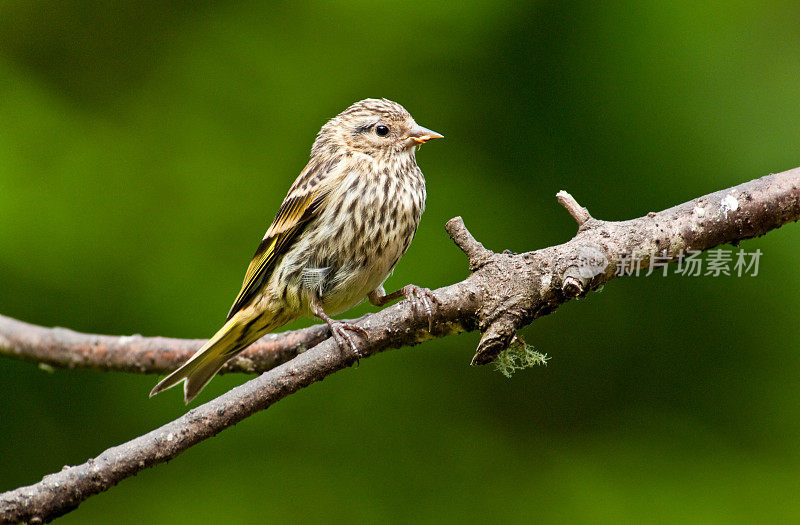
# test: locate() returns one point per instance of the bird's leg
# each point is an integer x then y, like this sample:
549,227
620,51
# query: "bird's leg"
338,328
417,296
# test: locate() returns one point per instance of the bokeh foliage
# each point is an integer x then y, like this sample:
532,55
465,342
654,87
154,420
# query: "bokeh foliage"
145,145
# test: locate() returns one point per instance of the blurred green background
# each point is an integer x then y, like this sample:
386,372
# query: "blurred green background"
145,146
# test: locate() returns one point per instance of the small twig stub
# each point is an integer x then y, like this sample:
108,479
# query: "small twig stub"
578,212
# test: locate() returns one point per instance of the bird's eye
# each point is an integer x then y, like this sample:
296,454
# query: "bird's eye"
381,131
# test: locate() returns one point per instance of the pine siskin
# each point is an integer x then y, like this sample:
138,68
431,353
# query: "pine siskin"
346,221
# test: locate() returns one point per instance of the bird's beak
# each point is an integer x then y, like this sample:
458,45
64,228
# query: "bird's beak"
422,135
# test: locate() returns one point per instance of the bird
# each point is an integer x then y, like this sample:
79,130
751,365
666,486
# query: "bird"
346,221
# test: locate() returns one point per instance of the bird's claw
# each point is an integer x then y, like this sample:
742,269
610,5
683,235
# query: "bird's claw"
343,338
422,297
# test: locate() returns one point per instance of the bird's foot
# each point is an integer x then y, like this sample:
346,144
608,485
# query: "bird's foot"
341,335
339,329
422,298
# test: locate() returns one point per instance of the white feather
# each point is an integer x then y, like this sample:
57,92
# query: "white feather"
313,278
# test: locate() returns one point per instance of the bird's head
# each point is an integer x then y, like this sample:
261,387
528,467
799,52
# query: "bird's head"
375,127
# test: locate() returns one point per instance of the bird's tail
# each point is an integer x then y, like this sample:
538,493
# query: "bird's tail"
236,335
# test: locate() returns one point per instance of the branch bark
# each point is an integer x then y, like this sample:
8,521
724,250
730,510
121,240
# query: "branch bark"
63,348
504,292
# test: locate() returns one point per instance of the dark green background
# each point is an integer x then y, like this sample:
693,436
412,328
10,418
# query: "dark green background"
145,146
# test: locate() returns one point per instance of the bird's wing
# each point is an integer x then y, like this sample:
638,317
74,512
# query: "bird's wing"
298,208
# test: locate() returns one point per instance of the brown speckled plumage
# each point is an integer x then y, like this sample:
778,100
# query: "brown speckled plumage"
347,220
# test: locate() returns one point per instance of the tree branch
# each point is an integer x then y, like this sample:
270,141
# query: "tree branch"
63,348
504,293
